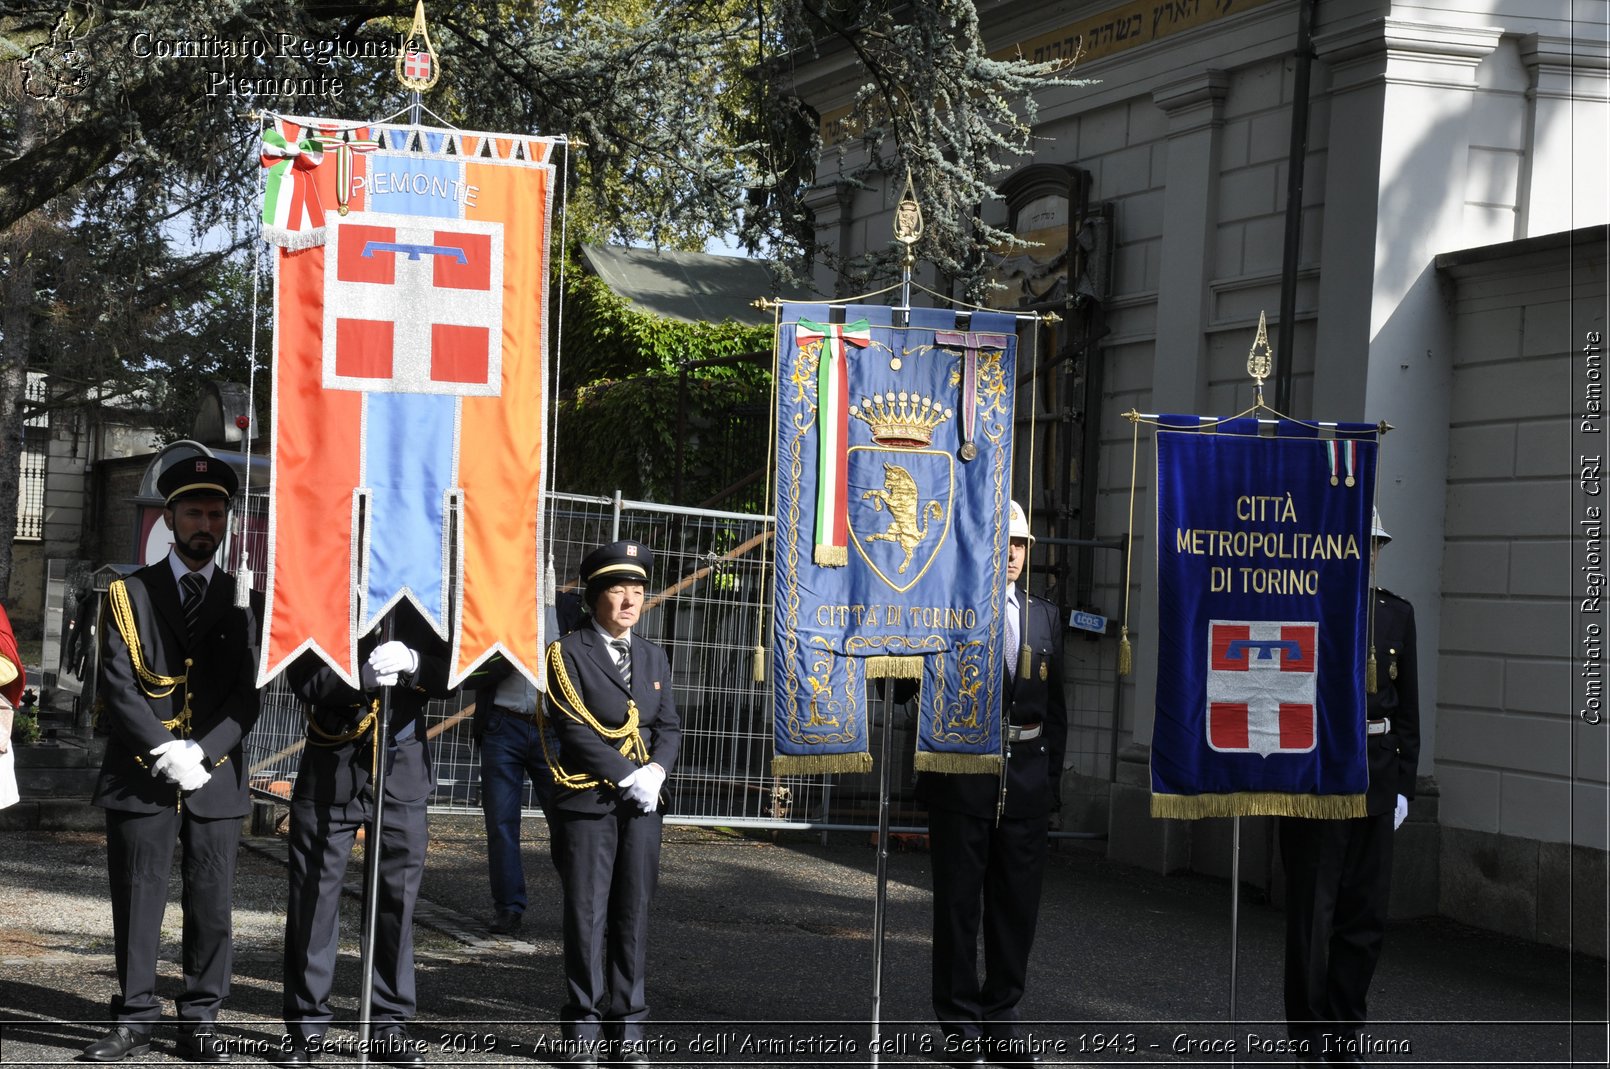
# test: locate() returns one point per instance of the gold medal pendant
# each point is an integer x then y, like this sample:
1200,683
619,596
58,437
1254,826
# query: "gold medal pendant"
1045,671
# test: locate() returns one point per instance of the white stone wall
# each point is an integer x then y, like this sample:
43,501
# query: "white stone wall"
1512,756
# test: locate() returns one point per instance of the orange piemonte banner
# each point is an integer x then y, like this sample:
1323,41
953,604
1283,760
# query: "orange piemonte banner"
410,327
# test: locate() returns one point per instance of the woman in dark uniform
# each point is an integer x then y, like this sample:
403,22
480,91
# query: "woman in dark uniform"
609,702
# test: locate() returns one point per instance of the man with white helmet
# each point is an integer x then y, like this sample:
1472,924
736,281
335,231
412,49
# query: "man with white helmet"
1339,872
987,872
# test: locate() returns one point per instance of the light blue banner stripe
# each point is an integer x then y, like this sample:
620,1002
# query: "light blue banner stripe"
409,438
409,444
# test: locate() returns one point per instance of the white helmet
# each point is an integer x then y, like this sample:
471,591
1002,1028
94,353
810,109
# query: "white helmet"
1018,527
1376,530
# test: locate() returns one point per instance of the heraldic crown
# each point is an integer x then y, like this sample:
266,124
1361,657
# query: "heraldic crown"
901,420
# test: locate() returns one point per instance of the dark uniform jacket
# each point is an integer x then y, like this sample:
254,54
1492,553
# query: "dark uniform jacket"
1395,756
581,676
335,772
1034,771
221,687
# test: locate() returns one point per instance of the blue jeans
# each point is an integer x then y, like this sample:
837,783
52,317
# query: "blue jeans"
511,750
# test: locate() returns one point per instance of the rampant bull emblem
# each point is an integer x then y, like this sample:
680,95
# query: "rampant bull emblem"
908,518
900,527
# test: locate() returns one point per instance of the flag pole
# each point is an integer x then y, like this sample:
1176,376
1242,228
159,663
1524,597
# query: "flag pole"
371,857
417,69
880,902
907,229
1235,915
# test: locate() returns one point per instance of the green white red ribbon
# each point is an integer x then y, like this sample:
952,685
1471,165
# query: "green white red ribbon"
293,216
832,539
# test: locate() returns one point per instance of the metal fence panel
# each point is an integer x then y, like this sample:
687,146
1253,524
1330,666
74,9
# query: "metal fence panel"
711,571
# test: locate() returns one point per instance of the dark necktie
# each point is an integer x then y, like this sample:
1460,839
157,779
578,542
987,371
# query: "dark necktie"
195,589
623,660
1012,640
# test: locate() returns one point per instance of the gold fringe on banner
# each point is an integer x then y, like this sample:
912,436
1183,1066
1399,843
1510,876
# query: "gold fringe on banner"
981,763
760,663
1258,804
820,764
893,667
831,556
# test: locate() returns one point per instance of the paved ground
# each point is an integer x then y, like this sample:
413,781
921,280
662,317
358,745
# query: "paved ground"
762,954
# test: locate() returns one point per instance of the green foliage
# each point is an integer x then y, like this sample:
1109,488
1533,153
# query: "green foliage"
605,338
25,728
623,429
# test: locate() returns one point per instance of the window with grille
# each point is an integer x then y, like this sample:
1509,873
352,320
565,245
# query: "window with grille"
35,448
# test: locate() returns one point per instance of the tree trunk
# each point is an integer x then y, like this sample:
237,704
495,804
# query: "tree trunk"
16,310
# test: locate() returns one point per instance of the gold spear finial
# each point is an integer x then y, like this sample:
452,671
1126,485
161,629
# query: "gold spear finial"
418,66
1260,358
908,219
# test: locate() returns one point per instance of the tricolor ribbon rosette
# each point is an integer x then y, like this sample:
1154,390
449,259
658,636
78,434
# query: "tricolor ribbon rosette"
293,217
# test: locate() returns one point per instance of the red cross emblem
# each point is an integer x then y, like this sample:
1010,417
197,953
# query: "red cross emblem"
414,305
417,65
1262,686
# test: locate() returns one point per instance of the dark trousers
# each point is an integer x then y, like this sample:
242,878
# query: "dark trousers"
511,750
609,866
1338,886
139,856
320,845
985,876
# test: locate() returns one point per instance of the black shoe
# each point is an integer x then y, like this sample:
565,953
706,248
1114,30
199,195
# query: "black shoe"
202,1045
391,1046
297,1051
121,1042
505,922
1011,1050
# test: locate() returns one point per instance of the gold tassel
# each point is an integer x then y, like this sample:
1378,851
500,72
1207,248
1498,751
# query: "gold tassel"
1258,804
1369,673
1025,662
760,663
965,763
831,556
886,667
820,764
1126,656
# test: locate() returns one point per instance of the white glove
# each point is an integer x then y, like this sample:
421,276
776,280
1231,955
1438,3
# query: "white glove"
651,777
1399,812
368,679
168,760
393,658
635,789
191,753
192,778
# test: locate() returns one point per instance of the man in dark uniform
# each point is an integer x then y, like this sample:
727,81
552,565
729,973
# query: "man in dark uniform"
178,694
332,799
509,735
987,871
1339,872
609,701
